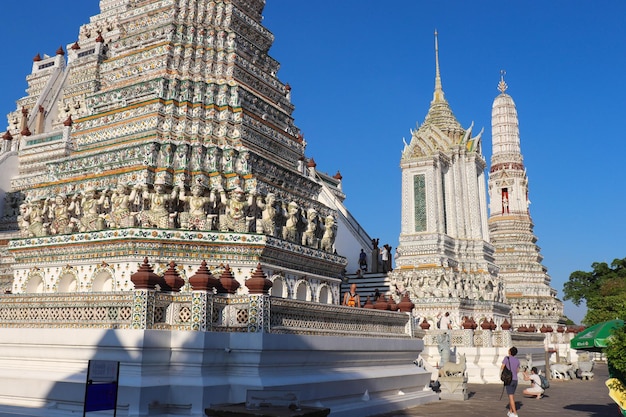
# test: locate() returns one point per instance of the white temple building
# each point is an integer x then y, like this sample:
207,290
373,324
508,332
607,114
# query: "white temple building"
445,259
527,283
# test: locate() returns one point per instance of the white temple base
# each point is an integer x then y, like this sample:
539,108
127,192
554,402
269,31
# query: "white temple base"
171,373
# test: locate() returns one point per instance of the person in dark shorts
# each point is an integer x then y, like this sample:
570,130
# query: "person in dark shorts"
513,364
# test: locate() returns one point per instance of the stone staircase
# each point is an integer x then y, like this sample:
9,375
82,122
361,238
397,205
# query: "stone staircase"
367,284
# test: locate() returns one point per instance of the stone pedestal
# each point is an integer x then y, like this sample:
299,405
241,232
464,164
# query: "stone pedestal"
453,388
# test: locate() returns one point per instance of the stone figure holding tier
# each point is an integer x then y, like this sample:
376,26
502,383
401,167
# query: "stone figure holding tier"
268,223
328,238
290,231
90,219
59,213
120,214
234,217
196,218
32,219
158,215
309,237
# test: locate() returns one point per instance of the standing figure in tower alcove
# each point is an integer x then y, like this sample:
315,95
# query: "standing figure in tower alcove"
166,156
181,158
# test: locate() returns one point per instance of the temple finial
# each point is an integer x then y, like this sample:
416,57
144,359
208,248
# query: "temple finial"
438,96
502,85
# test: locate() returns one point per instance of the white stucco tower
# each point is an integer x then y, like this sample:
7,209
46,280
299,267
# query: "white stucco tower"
445,259
527,283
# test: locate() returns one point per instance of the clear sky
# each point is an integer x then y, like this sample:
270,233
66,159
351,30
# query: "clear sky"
362,73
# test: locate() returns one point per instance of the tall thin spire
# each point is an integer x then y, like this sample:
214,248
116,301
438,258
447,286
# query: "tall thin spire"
438,95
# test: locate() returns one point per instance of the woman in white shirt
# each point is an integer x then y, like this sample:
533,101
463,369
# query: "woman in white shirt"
535,389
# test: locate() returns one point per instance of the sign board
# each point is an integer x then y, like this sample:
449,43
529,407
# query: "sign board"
101,387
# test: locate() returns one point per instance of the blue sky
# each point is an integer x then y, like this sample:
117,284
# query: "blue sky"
362,73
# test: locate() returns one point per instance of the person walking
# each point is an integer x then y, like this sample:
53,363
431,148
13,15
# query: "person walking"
512,363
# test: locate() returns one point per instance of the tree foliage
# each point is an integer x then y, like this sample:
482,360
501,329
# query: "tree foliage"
603,290
616,354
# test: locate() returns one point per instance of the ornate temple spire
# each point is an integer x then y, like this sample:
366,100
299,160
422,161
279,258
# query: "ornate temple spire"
438,94
505,128
527,283
440,114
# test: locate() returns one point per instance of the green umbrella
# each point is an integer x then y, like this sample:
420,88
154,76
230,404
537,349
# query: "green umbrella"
595,338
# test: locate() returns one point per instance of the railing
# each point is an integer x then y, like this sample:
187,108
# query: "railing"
300,317
95,310
197,310
475,338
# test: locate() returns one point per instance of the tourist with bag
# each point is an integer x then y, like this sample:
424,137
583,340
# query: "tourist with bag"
536,388
508,372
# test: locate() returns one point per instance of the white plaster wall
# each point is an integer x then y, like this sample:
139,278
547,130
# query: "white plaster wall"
43,371
8,169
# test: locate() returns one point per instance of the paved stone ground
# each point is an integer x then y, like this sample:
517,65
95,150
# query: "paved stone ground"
574,398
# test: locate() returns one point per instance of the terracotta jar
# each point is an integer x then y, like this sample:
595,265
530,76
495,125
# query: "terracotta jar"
258,283
368,303
203,280
381,303
406,305
145,278
173,281
228,283
425,325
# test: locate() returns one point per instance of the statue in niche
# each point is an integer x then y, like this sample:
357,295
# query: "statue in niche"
59,213
228,160
309,237
234,97
212,159
290,231
328,238
230,41
152,154
235,209
208,98
158,215
196,217
90,218
120,214
181,157
32,219
166,155
243,163
197,156
268,223
221,95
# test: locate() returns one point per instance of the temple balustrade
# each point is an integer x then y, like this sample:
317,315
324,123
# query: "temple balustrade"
197,311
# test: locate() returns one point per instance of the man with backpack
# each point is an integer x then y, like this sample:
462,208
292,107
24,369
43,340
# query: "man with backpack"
511,363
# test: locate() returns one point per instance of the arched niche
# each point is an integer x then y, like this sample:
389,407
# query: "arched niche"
35,283
279,287
103,279
325,295
303,291
67,283
68,280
